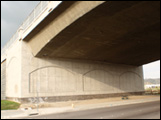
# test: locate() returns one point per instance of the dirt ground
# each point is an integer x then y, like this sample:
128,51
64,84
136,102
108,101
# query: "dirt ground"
85,102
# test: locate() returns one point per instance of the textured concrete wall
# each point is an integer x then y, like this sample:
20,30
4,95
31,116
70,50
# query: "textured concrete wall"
64,78
60,77
3,80
13,70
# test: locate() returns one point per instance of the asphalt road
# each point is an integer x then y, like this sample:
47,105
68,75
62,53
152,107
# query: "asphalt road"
150,110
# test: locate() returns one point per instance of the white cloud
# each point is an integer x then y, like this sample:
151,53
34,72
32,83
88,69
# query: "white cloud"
152,70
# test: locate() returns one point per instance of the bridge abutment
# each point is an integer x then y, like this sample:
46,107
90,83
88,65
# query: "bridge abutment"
58,79
81,50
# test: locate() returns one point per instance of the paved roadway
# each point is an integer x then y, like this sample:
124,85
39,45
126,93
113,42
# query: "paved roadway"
150,110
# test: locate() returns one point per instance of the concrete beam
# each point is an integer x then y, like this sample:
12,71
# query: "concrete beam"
59,19
114,32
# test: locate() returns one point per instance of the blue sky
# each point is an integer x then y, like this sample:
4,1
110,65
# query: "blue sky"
13,13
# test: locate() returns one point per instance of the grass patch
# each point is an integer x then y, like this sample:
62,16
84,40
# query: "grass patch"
9,105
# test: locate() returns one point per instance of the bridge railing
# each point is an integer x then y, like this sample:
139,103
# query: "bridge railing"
8,44
34,14
30,19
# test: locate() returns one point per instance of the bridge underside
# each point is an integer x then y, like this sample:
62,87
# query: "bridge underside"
114,32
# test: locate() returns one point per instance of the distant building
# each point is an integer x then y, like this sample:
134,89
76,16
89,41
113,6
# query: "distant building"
152,86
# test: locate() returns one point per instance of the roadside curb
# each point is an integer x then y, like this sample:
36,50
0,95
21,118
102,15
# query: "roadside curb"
46,111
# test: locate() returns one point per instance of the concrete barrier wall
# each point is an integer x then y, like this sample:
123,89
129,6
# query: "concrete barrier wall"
63,77
3,80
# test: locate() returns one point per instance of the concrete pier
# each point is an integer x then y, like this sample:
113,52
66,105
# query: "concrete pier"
81,50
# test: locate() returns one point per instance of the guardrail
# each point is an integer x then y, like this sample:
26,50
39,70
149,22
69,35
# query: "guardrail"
34,14
30,19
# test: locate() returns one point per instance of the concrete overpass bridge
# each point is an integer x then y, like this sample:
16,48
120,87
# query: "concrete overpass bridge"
82,50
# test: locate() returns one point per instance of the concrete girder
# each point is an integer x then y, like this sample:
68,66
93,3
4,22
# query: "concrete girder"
122,32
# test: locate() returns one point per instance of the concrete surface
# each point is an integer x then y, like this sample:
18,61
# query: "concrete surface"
27,75
3,80
74,10
86,35
87,102
120,32
79,106
150,110
67,77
